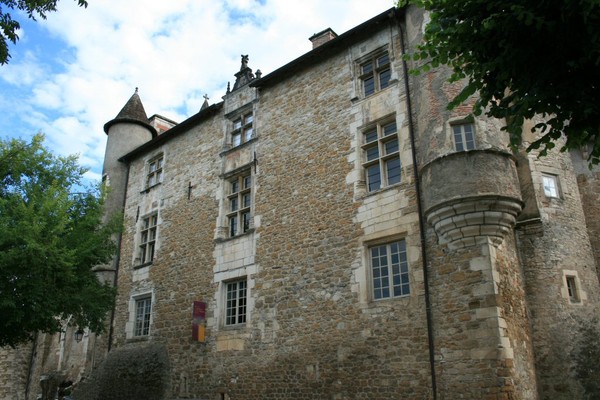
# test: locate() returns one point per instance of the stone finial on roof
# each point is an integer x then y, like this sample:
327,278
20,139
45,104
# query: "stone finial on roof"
245,74
205,104
132,112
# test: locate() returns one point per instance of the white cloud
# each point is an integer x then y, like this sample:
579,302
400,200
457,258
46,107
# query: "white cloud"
174,51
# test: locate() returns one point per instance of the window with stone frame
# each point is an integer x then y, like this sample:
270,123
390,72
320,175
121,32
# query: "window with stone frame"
242,129
572,289
464,136
239,203
375,73
550,184
381,156
148,236
143,311
389,270
155,171
235,302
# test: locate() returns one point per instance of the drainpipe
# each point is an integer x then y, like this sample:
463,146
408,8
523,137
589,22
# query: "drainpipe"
411,134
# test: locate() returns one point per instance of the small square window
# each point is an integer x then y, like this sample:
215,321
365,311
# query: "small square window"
389,270
464,138
143,310
375,73
550,183
236,299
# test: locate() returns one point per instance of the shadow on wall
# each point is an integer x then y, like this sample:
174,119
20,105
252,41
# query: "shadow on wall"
139,372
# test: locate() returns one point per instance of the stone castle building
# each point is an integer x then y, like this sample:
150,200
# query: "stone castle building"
331,231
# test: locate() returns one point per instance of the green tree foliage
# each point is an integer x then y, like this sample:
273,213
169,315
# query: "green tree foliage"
10,26
522,58
50,238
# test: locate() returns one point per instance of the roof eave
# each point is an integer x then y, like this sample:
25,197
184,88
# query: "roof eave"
331,47
173,132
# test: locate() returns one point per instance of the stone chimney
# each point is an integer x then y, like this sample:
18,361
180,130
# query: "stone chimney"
322,37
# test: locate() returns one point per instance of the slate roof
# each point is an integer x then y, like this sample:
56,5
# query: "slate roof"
132,112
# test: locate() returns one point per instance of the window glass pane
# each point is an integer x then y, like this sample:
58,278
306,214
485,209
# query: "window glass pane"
248,134
469,140
391,277
236,303
369,86
246,221
393,170
247,200
235,186
384,78
370,136
373,178
234,204
150,251
389,129
367,67
458,141
382,60
249,119
237,124
391,146
372,153
236,139
247,182
550,186
232,226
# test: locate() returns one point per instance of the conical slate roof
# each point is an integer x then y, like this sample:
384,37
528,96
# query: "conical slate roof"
132,112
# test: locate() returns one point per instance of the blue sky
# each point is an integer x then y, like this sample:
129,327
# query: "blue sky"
74,71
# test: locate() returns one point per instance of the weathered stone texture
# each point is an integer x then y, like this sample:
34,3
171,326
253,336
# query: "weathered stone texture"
488,310
560,244
14,372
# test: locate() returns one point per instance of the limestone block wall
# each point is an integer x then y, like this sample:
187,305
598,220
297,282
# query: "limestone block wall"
588,181
187,210
313,329
14,372
553,247
471,200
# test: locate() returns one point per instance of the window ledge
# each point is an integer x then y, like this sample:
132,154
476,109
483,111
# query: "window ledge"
138,339
239,146
150,187
357,99
233,328
227,239
378,191
142,265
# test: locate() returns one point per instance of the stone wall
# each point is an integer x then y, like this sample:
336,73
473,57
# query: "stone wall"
553,247
502,314
14,372
313,330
